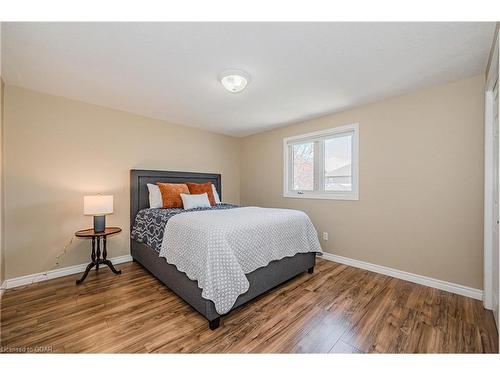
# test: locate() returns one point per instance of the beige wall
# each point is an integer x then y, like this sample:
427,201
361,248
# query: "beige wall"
2,253
421,177
57,150
421,182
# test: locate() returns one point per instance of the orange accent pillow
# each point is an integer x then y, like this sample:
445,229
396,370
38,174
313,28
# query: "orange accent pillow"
202,188
171,194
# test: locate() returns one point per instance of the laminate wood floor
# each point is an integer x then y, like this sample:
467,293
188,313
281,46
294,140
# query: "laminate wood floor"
338,309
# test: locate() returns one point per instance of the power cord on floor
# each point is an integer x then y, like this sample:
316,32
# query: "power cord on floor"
63,252
58,263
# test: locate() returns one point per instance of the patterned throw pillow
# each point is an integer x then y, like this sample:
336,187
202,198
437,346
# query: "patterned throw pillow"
202,188
171,194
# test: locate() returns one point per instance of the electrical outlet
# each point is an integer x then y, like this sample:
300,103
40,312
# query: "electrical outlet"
325,236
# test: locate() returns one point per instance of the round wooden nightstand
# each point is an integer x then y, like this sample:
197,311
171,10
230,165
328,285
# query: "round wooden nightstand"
96,257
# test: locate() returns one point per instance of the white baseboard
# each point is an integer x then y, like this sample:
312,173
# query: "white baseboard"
53,274
2,288
418,279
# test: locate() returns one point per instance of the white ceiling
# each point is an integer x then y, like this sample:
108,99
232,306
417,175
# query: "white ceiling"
299,70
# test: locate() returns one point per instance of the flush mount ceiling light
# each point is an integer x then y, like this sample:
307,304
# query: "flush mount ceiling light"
234,80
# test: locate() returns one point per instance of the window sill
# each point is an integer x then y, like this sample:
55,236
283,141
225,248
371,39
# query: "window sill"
337,196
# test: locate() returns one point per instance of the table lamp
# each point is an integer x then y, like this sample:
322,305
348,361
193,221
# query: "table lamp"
98,206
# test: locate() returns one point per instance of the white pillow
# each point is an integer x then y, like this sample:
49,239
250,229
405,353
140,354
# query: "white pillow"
155,200
216,195
195,200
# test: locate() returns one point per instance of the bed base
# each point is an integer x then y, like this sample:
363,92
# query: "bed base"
261,280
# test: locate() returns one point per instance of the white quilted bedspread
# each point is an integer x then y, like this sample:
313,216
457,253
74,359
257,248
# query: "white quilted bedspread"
218,247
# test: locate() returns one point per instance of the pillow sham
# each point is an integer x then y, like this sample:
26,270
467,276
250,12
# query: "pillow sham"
155,200
216,195
195,200
202,188
171,194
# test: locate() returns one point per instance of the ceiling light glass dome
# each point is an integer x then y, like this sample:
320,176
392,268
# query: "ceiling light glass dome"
234,80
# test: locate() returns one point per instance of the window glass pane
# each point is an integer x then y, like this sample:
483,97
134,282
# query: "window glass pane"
303,166
338,168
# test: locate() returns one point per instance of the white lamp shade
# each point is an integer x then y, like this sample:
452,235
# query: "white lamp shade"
97,204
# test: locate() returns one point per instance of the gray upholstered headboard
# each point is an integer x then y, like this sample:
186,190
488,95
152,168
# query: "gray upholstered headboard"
139,195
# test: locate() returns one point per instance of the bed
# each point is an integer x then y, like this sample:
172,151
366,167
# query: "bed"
260,280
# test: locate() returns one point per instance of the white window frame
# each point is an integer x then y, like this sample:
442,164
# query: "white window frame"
318,192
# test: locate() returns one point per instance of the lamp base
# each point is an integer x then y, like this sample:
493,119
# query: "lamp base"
99,223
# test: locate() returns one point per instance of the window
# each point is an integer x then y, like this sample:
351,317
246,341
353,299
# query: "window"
322,165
